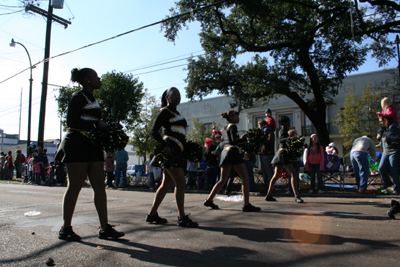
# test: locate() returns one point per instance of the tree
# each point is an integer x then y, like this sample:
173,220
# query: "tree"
358,116
141,140
199,133
119,98
302,49
63,98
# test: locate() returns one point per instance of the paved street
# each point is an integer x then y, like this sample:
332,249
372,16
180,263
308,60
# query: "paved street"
329,230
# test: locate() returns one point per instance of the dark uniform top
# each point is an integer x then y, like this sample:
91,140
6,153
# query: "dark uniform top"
282,156
174,132
230,150
84,114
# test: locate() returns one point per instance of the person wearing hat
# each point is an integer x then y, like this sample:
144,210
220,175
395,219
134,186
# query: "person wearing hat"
212,158
331,149
271,124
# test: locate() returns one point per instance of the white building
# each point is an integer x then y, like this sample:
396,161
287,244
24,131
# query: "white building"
209,110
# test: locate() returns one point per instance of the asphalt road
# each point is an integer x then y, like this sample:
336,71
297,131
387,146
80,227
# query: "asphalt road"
329,230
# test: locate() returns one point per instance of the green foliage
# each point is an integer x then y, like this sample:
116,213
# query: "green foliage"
198,133
358,117
63,98
141,140
300,49
120,96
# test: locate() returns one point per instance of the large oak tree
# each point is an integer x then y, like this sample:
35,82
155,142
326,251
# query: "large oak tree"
302,49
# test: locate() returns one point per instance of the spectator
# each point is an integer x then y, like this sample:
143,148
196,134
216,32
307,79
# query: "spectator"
19,163
266,155
271,124
211,156
315,163
9,166
2,165
391,156
36,171
109,169
359,159
121,161
331,149
150,170
192,175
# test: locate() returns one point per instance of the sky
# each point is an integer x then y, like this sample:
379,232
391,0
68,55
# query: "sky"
91,21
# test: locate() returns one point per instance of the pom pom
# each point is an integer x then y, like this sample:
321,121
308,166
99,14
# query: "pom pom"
193,151
254,140
164,161
109,139
295,147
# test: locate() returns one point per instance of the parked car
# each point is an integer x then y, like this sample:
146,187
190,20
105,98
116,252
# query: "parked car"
130,171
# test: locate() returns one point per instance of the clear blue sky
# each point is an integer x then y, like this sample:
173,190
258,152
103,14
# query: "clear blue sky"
92,21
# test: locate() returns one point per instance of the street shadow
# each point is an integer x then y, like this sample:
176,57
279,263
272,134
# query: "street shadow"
360,203
285,235
215,256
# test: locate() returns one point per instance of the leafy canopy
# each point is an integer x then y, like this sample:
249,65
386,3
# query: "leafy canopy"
302,49
119,98
358,117
140,139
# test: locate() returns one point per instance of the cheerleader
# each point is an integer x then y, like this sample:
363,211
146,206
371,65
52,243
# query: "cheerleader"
81,157
281,160
173,142
231,157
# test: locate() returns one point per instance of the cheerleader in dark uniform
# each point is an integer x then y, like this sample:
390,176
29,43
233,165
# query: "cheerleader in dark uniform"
173,142
281,160
81,157
231,157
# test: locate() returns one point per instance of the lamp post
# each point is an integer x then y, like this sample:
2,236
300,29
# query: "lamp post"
12,44
398,53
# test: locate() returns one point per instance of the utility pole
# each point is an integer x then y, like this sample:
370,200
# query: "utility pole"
50,18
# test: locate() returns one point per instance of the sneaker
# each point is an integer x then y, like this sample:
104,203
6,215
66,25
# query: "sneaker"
269,198
395,193
321,192
186,222
155,219
298,200
395,208
68,235
250,208
287,192
311,192
210,204
110,232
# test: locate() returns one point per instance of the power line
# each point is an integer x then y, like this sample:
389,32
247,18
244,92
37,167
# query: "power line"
159,70
11,12
155,65
120,35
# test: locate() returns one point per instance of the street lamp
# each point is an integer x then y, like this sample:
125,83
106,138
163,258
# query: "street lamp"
12,44
398,53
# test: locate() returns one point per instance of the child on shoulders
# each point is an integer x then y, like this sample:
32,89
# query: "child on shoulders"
271,124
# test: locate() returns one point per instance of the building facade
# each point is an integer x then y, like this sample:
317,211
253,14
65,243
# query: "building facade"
209,110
